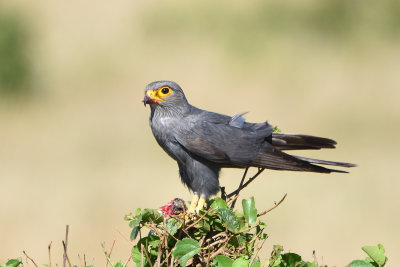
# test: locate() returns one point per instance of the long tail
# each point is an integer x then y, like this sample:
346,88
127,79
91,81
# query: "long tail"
284,141
325,162
271,156
278,160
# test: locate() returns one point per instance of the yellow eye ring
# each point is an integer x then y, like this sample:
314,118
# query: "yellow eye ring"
164,91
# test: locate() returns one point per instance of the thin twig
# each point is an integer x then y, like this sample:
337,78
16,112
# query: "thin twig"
256,236
315,257
159,253
240,186
123,236
30,259
164,226
220,234
166,230
147,256
129,259
198,220
208,257
105,254
80,260
166,258
255,254
26,261
220,249
65,246
153,227
184,231
232,199
65,254
216,243
276,205
49,247
260,170
111,249
142,249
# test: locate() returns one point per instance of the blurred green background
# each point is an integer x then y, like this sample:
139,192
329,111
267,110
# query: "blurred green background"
76,148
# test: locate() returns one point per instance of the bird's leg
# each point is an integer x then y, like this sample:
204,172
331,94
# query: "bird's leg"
193,204
200,205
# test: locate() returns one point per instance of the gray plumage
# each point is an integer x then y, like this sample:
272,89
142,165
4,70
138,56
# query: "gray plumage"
203,142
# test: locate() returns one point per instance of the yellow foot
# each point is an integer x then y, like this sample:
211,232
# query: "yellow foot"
192,207
200,205
195,207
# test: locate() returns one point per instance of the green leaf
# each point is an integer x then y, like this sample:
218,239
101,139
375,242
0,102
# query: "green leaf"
136,255
276,256
249,210
240,262
204,226
13,263
256,263
223,261
243,226
291,259
173,226
230,219
217,224
218,203
135,232
135,224
119,264
153,215
360,263
186,249
276,129
377,253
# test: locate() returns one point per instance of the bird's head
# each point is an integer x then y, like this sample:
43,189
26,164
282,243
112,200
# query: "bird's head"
165,94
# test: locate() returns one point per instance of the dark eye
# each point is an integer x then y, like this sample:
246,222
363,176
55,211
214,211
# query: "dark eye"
165,90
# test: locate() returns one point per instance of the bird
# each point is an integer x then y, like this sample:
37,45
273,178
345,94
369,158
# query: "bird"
202,142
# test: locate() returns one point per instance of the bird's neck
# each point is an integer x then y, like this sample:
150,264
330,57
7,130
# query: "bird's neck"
170,111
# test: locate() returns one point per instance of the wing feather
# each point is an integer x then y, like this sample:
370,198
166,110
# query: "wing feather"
223,143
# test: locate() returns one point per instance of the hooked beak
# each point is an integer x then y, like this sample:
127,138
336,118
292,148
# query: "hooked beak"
146,100
151,98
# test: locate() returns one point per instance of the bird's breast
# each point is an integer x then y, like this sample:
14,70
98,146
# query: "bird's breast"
164,130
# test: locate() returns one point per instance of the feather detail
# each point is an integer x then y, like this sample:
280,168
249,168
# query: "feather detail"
326,162
284,141
278,160
238,120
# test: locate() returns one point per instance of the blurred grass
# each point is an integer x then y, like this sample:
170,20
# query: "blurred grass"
81,151
249,30
14,64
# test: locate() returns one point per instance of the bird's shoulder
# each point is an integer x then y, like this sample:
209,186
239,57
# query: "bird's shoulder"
203,119
220,138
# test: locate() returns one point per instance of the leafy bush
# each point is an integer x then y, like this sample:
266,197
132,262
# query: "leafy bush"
219,236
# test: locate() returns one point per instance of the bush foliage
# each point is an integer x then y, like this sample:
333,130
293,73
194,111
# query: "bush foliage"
218,236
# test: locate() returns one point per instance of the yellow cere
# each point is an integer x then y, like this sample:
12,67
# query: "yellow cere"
161,93
153,95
